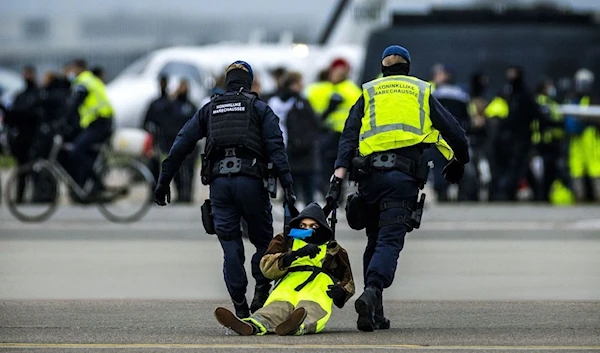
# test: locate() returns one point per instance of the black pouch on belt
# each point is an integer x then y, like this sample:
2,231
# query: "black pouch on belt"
356,212
207,217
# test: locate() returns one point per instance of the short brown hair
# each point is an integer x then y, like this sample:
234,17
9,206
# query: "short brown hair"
291,78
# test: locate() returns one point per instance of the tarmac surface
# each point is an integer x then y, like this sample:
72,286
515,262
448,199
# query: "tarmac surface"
473,278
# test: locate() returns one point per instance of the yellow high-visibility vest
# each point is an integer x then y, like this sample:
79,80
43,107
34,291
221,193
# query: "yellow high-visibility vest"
498,108
548,135
96,104
396,115
319,95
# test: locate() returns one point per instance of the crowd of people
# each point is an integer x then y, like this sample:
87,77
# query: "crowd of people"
72,104
521,145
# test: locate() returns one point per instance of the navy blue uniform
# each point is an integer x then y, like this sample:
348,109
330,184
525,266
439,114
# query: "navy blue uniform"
385,243
235,197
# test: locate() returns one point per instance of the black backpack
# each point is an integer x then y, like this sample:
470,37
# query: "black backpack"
302,128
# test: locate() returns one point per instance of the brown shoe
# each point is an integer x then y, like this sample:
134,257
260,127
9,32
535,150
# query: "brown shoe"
229,320
292,324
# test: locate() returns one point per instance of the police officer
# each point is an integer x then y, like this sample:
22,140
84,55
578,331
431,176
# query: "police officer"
391,124
243,138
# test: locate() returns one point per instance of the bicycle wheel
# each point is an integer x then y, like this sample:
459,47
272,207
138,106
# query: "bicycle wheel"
127,193
32,192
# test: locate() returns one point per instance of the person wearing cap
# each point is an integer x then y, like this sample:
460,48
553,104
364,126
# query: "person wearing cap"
242,139
313,273
391,124
332,100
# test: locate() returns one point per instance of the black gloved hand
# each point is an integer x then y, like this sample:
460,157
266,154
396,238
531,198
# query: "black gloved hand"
335,191
161,193
334,102
310,250
453,171
336,292
288,195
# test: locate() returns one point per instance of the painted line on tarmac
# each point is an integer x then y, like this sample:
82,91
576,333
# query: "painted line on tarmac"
288,346
186,225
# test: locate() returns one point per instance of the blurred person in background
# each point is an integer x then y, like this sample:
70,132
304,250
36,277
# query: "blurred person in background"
22,122
584,135
391,127
332,100
478,134
277,74
456,101
91,108
242,138
53,103
548,162
299,125
179,111
514,112
98,71
157,113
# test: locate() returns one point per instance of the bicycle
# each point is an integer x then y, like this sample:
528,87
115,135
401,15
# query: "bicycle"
121,187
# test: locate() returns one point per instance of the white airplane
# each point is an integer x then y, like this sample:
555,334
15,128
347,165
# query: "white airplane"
133,90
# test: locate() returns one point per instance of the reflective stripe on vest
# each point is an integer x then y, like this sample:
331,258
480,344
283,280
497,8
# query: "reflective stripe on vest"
397,115
96,104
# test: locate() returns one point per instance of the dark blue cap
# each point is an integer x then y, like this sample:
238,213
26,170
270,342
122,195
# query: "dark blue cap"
247,66
396,50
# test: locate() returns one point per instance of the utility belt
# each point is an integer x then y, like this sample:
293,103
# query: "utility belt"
230,165
362,166
306,268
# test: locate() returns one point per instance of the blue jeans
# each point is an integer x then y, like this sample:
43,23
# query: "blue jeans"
232,199
385,243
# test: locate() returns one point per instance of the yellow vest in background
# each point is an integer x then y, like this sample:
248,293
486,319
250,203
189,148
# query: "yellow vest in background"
498,108
96,104
320,93
397,115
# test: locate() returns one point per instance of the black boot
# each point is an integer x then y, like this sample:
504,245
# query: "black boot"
261,293
241,309
381,322
365,307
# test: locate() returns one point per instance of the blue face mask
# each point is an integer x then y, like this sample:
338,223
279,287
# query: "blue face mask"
298,233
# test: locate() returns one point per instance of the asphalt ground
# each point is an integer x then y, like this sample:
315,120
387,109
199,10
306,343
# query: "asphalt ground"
473,278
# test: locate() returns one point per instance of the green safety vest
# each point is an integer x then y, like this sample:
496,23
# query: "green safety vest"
96,104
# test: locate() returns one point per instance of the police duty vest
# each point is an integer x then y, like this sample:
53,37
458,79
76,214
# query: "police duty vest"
233,123
96,104
396,115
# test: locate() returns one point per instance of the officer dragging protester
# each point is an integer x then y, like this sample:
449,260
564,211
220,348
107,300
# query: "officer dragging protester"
390,126
244,146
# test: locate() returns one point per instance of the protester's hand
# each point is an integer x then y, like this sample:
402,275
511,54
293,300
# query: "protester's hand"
310,250
335,191
162,195
289,197
453,171
336,292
